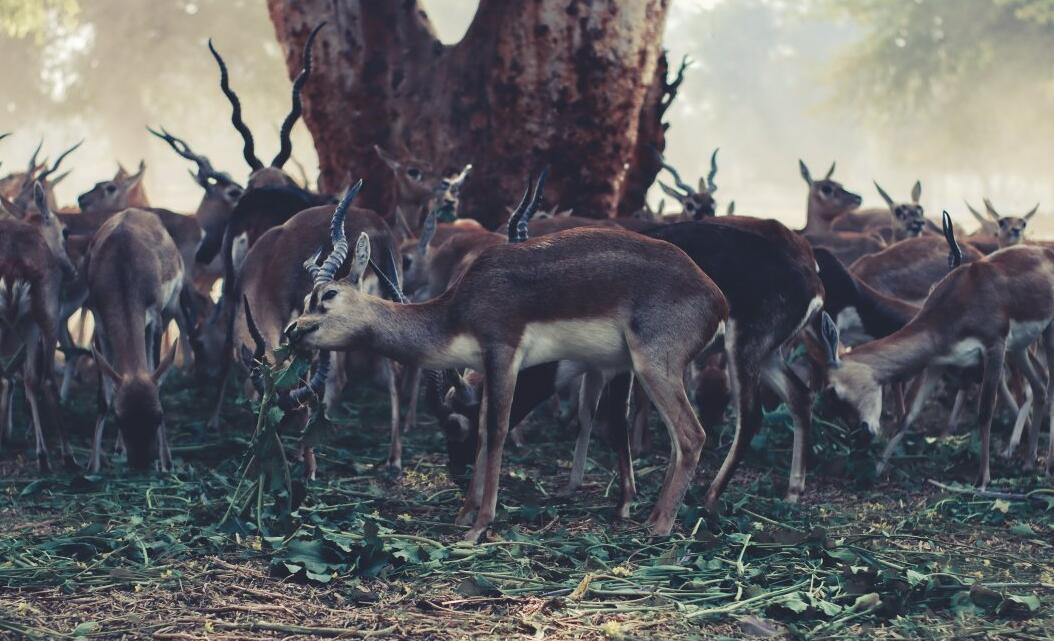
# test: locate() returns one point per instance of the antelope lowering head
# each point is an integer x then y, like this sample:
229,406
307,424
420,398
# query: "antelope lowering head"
909,218
271,176
828,199
696,203
854,384
1008,230
137,406
111,196
221,191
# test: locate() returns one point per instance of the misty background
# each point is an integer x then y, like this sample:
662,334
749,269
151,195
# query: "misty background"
956,93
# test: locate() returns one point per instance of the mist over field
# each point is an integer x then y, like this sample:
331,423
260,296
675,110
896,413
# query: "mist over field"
957,93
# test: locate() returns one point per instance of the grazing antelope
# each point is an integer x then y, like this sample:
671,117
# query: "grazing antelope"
985,313
696,203
419,189
1008,230
33,265
827,201
132,308
607,298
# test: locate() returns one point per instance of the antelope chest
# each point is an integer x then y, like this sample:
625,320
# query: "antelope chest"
14,300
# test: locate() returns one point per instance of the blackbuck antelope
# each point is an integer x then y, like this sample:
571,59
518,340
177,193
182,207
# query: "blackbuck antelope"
214,211
609,299
827,201
420,188
902,220
768,276
696,203
33,265
984,313
274,282
135,275
22,191
1008,230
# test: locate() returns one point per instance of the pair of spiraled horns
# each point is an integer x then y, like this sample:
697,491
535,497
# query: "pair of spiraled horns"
526,209
286,148
705,184
205,169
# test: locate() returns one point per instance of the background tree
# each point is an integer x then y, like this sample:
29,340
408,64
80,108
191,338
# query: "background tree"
562,84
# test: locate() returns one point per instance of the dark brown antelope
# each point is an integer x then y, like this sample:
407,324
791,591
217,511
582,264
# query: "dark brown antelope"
984,313
33,265
607,298
23,197
216,206
132,308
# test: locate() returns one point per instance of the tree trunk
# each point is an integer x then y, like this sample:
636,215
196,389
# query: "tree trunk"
577,85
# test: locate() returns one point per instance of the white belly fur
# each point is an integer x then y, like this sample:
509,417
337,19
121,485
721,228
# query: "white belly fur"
598,343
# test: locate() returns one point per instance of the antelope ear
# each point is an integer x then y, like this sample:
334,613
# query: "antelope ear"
731,208
165,363
992,213
1031,213
805,172
829,336
671,192
884,195
830,172
40,199
362,259
916,192
134,179
701,187
121,174
104,365
390,160
428,231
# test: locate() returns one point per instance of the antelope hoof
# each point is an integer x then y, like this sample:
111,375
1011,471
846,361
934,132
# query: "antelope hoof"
516,436
660,526
393,470
42,462
793,496
474,535
622,512
1008,451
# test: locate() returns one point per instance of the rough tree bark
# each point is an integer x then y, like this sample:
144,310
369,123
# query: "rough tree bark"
578,85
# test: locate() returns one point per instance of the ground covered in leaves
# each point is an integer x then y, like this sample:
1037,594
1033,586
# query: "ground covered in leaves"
172,556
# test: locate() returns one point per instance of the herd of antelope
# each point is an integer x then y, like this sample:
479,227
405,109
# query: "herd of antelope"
686,312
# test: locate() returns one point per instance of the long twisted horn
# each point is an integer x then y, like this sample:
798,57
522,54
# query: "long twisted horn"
249,151
339,253
50,170
294,112
683,186
536,198
315,387
32,169
517,229
180,146
955,253
711,186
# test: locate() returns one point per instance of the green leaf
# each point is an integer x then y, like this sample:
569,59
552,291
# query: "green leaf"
1000,505
917,578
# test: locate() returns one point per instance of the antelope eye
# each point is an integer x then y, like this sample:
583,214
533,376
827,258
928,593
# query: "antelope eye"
329,295
234,194
825,190
1002,223
414,173
110,189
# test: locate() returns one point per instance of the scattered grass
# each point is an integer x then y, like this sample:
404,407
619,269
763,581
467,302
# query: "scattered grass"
164,555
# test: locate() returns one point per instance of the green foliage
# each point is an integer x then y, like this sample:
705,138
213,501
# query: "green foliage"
22,18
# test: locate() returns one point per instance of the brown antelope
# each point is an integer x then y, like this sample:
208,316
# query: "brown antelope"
33,265
1008,230
985,313
22,196
909,269
696,203
900,221
608,298
827,201
132,308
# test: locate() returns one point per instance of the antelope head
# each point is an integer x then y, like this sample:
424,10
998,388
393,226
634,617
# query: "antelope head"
221,191
909,217
1008,230
110,196
421,187
273,175
447,195
696,203
52,229
828,199
853,384
137,406
454,400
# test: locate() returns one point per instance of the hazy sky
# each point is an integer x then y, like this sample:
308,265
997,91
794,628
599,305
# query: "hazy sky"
761,89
